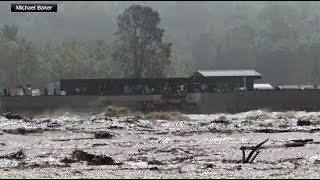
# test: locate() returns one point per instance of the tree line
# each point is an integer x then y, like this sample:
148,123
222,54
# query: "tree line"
278,39
137,51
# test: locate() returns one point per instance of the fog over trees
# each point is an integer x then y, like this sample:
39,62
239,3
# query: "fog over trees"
281,40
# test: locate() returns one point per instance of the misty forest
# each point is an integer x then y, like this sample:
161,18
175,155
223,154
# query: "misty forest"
280,40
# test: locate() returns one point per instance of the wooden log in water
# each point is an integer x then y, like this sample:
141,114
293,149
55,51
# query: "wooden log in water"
263,147
295,144
254,157
253,151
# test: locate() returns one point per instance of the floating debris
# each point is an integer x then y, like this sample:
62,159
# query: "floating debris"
249,158
10,115
53,124
15,155
302,140
74,139
301,122
295,144
23,131
222,120
155,162
103,135
91,159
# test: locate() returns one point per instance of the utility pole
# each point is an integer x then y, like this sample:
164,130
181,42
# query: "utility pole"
316,71
244,82
194,82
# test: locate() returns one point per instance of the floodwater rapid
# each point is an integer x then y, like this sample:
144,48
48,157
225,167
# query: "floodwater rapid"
71,145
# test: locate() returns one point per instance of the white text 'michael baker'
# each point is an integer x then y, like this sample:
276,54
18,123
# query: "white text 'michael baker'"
34,7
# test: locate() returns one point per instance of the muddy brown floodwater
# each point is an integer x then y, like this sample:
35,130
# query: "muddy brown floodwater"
206,146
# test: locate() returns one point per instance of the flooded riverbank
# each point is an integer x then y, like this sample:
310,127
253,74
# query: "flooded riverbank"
200,146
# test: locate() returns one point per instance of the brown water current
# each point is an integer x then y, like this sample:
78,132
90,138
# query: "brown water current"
205,146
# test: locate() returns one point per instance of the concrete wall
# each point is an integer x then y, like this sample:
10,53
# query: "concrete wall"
277,100
1,107
87,103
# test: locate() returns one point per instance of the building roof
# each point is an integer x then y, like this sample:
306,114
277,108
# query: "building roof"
262,86
221,73
296,87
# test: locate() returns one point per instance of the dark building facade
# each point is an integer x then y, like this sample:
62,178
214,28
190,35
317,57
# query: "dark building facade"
224,80
123,86
200,81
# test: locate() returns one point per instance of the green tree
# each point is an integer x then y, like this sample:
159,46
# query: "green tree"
45,59
8,62
79,59
177,67
19,58
139,46
9,33
27,62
